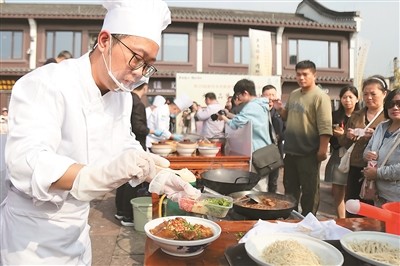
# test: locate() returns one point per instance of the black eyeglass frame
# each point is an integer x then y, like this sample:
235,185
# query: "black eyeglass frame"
148,69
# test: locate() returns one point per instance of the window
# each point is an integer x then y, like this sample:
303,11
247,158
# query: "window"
220,49
325,54
11,45
241,50
57,41
174,48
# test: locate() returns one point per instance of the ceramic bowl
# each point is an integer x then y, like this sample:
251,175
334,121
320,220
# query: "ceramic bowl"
207,144
162,150
172,143
187,144
185,151
183,248
208,151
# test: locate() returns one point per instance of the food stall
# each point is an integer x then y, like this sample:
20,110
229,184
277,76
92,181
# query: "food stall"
235,154
226,251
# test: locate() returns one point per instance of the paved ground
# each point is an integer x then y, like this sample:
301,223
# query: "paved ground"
113,244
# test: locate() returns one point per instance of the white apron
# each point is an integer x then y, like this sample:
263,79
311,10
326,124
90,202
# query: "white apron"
61,120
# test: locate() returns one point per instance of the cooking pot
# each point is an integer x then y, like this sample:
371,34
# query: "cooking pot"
227,181
266,214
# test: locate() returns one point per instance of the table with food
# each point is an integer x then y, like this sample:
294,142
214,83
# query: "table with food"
230,224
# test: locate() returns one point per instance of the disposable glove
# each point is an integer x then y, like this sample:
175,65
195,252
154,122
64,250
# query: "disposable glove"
177,137
135,166
168,183
158,132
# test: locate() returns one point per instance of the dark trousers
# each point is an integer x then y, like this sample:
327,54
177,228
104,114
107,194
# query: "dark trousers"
273,181
353,188
301,180
124,195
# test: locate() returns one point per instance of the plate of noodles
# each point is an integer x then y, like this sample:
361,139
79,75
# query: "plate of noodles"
291,249
376,248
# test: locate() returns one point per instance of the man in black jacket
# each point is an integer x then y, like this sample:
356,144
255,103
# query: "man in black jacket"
270,92
139,127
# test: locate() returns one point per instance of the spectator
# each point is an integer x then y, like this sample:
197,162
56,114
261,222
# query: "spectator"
255,110
139,127
308,130
228,104
60,57
386,135
162,117
211,127
69,140
190,120
348,103
4,121
374,91
270,92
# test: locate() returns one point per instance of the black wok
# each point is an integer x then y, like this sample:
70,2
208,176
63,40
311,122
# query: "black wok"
265,214
227,181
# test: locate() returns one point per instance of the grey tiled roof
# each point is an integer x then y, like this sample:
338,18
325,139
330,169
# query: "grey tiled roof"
179,14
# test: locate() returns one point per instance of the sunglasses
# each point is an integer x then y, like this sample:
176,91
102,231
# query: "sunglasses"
392,104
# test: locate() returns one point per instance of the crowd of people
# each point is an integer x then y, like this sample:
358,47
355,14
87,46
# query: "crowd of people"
83,137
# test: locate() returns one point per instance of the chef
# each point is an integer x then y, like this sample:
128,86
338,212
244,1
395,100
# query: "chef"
161,119
70,142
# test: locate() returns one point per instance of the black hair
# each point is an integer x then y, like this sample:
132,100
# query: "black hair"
354,91
245,85
376,79
306,64
268,87
388,99
210,95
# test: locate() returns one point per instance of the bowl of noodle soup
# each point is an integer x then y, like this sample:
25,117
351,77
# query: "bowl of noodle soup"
291,249
376,248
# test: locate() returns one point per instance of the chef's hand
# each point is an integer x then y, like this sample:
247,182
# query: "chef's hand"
172,185
158,132
135,166
177,137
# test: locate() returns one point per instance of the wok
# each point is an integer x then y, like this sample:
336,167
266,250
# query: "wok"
227,181
265,214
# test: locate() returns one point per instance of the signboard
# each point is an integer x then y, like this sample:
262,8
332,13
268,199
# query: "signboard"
196,85
260,53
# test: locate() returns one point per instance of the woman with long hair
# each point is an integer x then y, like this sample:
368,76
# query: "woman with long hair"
348,104
374,91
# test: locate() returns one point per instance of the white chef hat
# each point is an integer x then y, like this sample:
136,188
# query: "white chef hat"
143,18
183,102
159,101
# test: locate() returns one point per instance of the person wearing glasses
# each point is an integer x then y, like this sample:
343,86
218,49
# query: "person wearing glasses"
70,140
385,137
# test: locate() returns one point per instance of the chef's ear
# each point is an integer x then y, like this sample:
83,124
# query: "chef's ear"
103,40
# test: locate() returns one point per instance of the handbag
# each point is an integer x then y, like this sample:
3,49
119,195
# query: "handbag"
344,165
369,190
268,158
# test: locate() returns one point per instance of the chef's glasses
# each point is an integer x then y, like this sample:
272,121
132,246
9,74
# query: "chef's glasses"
137,62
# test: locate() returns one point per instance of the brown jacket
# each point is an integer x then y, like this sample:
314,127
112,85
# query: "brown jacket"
357,120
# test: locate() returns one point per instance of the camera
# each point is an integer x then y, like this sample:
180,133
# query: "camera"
214,117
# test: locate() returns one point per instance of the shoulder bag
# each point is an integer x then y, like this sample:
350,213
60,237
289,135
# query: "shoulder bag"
368,188
344,165
268,158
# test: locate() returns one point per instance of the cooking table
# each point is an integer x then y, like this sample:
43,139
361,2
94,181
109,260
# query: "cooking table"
214,254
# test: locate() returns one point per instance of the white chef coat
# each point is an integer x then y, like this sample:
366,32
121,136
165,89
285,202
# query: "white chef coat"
58,118
159,120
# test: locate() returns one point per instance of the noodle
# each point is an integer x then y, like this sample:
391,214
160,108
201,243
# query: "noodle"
289,252
377,251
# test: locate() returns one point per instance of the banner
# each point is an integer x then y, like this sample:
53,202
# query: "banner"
260,53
